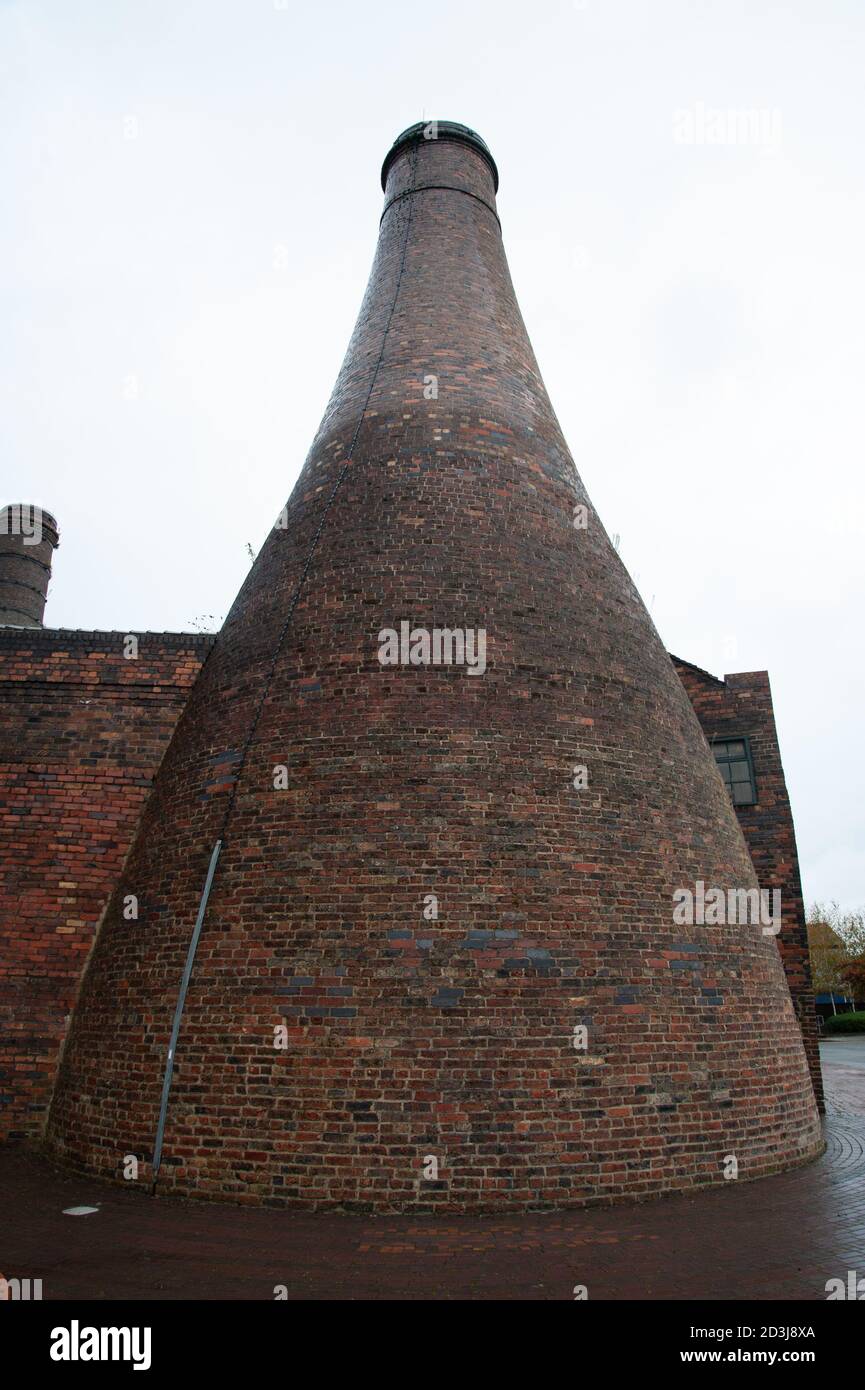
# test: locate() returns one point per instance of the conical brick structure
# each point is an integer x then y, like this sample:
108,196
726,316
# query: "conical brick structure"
420,900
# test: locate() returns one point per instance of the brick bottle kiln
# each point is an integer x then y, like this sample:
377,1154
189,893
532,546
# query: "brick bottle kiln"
417,902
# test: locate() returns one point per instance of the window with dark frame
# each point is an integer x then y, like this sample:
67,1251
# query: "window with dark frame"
733,756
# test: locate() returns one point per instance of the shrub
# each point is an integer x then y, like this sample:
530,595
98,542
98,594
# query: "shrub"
845,1023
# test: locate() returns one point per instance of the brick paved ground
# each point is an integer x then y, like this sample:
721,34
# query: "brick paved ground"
780,1237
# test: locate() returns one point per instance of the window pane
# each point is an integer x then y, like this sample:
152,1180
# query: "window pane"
731,756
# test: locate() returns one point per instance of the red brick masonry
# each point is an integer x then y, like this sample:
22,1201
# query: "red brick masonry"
93,755
82,732
728,708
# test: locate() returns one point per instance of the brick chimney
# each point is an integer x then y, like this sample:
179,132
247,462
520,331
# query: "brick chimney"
28,539
441,783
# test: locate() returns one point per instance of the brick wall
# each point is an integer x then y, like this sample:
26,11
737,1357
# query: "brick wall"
82,731
742,705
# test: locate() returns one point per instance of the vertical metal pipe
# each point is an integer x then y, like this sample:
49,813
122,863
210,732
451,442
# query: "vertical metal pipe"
178,1014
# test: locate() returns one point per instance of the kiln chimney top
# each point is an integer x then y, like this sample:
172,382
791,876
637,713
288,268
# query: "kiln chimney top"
439,130
28,539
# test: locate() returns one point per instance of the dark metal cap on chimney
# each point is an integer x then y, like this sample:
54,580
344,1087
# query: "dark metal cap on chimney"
439,130
28,539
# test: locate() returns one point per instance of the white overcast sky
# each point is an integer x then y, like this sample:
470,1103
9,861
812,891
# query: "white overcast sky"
191,204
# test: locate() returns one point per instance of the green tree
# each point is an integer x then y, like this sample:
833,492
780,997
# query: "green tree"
836,943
